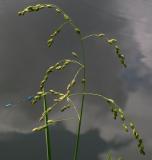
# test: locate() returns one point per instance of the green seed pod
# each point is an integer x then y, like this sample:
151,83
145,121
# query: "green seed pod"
39,6
39,128
33,102
112,41
140,141
66,17
125,127
59,67
21,13
117,49
58,10
50,41
65,108
111,101
36,9
56,64
62,97
75,54
51,121
37,97
136,135
26,10
134,132
51,36
56,100
49,5
121,56
30,8
101,35
50,69
120,111
41,86
42,82
67,61
45,77
142,151
115,114
71,84
44,94
132,126
77,30
122,117
55,33
51,90
34,129
40,93
83,80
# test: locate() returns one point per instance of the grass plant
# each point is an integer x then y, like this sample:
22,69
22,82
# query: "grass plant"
66,96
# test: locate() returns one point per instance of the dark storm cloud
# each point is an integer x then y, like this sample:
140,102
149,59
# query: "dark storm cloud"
32,146
25,56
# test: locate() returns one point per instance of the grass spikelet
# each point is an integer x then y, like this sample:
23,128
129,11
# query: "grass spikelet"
125,127
83,80
65,107
55,33
100,35
71,84
75,54
50,122
34,8
77,30
66,17
55,93
62,97
58,10
112,41
58,66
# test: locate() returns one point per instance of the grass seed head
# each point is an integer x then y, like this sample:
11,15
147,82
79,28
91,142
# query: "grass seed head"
75,54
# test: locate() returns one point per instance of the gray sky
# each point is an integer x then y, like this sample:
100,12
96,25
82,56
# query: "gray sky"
24,56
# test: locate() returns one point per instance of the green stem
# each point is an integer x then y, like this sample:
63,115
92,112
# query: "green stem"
47,134
82,104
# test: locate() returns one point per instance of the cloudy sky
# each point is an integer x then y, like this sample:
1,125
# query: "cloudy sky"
24,56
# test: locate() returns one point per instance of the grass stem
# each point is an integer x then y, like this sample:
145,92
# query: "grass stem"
47,132
76,149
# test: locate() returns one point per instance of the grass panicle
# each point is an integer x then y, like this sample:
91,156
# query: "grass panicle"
65,99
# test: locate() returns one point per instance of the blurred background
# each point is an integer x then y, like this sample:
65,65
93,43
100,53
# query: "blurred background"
24,57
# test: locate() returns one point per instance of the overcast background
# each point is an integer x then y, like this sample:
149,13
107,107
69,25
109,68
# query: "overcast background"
24,56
